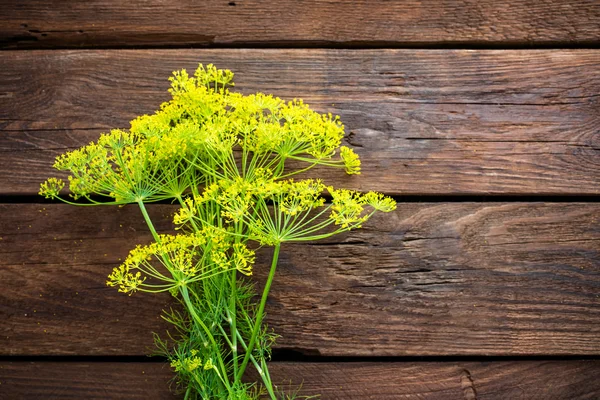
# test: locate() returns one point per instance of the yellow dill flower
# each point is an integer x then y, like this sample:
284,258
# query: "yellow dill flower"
185,213
380,202
223,156
235,205
347,208
174,143
265,137
327,133
220,135
193,363
220,259
234,196
301,196
265,102
116,140
243,258
211,75
263,233
181,82
351,160
160,123
118,165
187,364
209,364
174,260
51,188
125,280
179,253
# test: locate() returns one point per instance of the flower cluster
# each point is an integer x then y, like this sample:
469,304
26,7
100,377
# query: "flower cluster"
224,158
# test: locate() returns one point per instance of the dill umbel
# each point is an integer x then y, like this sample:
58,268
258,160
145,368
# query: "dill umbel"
225,159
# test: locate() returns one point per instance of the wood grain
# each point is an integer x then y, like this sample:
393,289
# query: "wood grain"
424,122
547,380
430,279
102,23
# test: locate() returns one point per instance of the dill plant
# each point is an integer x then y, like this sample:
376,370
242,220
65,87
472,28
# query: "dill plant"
224,159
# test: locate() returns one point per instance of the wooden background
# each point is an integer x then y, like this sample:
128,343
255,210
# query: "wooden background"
481,117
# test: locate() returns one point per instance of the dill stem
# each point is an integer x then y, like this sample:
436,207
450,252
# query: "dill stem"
233,311
261,309
151,227
265,376
232,317
188,303
184,293
148,221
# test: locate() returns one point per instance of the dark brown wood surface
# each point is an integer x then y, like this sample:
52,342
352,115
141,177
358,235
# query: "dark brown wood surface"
424,122
501,298
527,380
430,279
36,24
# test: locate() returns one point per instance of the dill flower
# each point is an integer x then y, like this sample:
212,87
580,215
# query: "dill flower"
243,258
185,213
296,197
187,364
209,364
380,202
179,260
223,157
126,281
51,188
351,160
347,207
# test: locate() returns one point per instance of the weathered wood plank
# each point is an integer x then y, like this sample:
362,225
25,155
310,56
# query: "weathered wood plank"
548,380
101,23
424,122
84,380
429,279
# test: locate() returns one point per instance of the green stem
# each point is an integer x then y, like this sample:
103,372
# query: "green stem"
148,221
165,259
184,293
181,202
233,309
188,303
233,318
265,376
263,372
261,309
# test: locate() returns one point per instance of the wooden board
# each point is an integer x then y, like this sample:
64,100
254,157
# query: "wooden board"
430,279
461,284
102,23
546,380
424,122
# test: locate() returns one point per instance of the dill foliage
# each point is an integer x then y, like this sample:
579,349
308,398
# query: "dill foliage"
224,158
